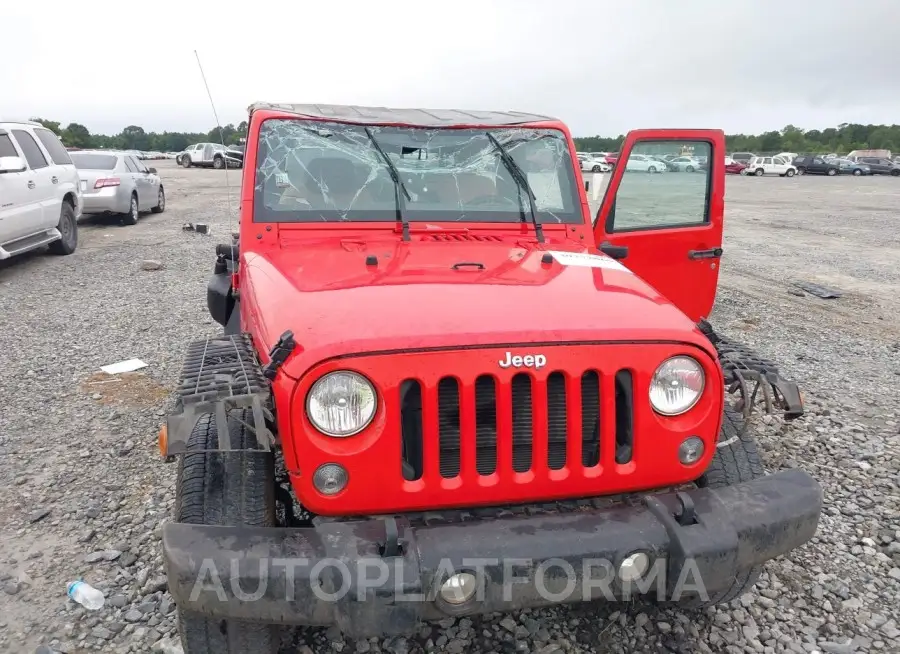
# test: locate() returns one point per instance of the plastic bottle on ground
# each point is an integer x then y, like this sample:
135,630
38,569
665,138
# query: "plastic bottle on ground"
86,595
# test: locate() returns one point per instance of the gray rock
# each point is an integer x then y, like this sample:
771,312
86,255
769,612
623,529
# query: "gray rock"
134,615
38,514
151,264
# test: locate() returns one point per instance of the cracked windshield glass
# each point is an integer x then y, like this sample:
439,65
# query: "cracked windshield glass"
309,171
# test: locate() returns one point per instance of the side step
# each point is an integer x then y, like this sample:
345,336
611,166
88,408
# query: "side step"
221,376
12,248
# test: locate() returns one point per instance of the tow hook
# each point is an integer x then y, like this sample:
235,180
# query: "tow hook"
393,544
685,514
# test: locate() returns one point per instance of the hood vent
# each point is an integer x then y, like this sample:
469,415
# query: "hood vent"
450,238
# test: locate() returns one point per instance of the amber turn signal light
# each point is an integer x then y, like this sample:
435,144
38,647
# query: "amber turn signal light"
163,440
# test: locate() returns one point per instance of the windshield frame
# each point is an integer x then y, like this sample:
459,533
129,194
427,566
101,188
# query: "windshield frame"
569,178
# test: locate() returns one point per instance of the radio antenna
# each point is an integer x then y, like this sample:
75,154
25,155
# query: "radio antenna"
221,133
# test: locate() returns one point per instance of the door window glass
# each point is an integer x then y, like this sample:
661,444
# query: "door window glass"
7,149
677,199
129,164
30,149
57,152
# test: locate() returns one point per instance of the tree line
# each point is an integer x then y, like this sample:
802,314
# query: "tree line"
133,137
841,139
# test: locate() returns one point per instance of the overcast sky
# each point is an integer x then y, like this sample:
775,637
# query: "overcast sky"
604,67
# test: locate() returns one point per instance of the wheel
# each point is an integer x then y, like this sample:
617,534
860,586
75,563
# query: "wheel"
133,214
186,161
651,169
831,172
801,171
736,461
789,173
68,227
225,488
895,173
759,172
218,163
160,201
596,169
178,160
688,169
857,172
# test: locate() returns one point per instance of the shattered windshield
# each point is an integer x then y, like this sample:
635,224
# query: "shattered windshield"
313,171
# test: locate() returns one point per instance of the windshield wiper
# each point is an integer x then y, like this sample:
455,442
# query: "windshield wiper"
398,185
522,180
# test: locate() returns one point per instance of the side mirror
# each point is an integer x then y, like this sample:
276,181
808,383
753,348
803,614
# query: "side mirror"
12,165
152,171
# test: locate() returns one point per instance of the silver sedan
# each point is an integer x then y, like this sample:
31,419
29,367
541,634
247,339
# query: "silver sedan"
118,183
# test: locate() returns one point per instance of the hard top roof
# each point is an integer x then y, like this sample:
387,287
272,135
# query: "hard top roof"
417,117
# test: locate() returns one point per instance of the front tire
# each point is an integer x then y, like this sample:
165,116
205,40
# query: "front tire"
857,172
759,172
651,169
160,201
688,169
225,488
218,163
186,161
596,169
789,173
734,463
68,227
134,213
895,173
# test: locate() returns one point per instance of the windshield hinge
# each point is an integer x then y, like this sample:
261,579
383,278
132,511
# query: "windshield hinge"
279,353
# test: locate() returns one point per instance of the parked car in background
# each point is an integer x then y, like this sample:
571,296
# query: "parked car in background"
743,157
816,165
684,164
612,159
211,155
644,163
118,183
850,167
40,193
733,167
590,164
881,166
788,156
760,166
856,155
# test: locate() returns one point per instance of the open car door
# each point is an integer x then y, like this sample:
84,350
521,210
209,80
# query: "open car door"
664,224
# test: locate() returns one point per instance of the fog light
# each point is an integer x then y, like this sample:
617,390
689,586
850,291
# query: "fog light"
459,588
691,450
330,479
634,567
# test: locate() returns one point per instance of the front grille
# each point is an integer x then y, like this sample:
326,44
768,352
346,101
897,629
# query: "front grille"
501,423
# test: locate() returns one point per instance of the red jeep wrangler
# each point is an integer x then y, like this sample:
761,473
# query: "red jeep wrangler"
442,389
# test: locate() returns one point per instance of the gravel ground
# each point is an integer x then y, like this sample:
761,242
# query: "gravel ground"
86,491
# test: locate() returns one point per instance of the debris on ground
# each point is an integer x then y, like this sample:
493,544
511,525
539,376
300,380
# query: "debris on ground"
200,228
151,264
818,290
129,365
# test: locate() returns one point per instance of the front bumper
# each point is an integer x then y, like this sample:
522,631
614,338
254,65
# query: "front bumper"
338,573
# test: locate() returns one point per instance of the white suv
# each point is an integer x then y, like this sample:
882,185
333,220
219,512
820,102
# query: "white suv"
40,191
760,166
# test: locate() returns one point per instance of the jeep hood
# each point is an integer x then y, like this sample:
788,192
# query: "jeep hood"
444,293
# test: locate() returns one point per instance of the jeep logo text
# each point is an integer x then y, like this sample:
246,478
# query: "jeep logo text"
528,361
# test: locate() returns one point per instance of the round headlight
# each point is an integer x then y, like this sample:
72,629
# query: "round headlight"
676,386
341,404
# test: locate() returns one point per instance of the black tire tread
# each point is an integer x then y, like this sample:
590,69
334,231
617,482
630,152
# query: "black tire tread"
127,218
157,208
66,212
732,464
225,488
